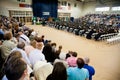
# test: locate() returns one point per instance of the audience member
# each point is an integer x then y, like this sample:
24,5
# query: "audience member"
57,53
42,37
23,37
36,55
49,55
8,64
53,45
16,69
7,45
42,70
20,47
30,47
90,69
15,38
72,60
58,73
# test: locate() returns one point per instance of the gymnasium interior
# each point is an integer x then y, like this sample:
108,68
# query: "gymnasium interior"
91,28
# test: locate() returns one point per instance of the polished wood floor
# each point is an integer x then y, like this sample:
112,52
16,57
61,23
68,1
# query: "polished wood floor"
104,57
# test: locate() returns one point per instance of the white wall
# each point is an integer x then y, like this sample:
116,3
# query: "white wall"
75,11
6,5
89,7
81,9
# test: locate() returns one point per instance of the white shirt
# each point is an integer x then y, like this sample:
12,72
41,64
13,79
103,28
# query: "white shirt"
24,54
25,39
35,56
42,70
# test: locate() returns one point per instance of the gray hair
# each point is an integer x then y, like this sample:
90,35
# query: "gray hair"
86,60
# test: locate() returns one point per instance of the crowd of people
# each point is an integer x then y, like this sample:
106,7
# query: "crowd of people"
91,25
26,56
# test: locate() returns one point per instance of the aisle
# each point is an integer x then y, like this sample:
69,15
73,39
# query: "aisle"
105,58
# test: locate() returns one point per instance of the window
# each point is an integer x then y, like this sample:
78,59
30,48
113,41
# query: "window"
116,8
102,9
21,0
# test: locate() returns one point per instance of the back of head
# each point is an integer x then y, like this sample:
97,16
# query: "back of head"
53,44
59,71
42,36
60,47
16,35
38,39
20,31
39,45
33,43
8,35
80,62
62,56
74,54
86,60
15,68
67,55
21,45
16,54
42,70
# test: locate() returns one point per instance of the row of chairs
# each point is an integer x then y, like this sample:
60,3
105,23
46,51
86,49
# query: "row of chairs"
82,32
107,36
114,39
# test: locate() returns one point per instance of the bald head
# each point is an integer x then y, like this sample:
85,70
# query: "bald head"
86,60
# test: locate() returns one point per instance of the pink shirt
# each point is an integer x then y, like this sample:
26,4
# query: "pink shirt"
72,61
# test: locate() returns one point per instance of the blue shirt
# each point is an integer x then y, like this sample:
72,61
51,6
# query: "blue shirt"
1,31
75,73
90,70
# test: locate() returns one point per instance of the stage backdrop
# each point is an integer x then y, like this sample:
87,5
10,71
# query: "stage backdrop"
45,8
